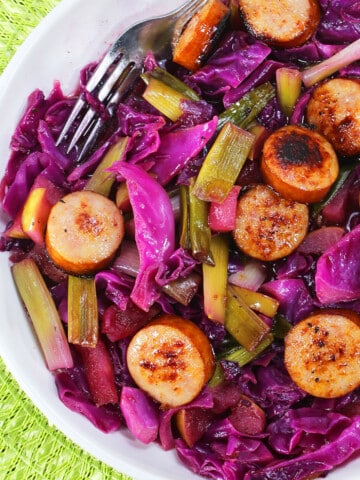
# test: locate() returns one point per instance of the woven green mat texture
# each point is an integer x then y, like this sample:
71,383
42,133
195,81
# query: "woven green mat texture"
31,449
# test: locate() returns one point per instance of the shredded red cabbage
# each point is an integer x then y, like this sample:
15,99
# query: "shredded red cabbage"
304,436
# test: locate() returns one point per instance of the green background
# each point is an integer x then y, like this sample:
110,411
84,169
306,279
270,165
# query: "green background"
31,449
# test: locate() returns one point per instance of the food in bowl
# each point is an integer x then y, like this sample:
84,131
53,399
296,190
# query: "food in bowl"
178,275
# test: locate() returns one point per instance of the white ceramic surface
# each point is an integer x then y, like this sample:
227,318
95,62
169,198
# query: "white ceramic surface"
73,34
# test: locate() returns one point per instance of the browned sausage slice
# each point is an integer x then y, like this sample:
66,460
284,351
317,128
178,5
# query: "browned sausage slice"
333,110
268,226
282,23
84,230
322,353
171,359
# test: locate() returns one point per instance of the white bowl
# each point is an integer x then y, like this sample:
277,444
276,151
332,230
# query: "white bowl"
73,34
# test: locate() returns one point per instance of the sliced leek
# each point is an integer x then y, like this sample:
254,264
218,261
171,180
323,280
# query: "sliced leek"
242,322
215,279
288,85
239,355
258,301
82,311
243,112
223,163
102,180
163,97
199,230
43,314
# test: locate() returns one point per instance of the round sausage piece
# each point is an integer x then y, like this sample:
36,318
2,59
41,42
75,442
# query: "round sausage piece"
84,231
281,23
334,111
322,353
299,163
268,226
171,359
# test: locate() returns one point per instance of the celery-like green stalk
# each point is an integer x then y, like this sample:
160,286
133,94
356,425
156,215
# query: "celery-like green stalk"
173,82
82,311
288,84
200,233
259,302
215,279
184,240
341,59
223,163
164,98
102,180
43,314
239,355
281,326
242,322
245,110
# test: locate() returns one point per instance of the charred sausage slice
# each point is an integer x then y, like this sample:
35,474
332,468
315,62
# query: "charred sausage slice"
299,163
268,226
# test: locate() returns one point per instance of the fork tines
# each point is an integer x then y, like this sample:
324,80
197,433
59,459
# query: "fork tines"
109,82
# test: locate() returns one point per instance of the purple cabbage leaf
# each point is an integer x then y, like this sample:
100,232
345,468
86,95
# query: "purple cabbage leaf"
154,230
337,277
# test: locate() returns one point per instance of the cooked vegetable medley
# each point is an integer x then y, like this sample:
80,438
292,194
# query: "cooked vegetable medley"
199,272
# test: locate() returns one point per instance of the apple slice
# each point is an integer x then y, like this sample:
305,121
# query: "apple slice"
15,230
35,214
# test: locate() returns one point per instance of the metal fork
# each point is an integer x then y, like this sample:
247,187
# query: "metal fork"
118,70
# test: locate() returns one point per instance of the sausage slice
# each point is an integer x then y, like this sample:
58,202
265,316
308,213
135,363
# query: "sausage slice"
268,226
333,110
171,359
322,353
281,23
84,231
299,163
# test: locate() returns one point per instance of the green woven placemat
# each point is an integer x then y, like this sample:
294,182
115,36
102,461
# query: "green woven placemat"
31,449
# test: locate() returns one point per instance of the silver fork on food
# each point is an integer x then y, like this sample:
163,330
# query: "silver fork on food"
119,68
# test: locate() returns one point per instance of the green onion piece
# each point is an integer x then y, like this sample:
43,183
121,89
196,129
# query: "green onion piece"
218,376
281,326
43,314
223,163
242,322
288,84
199,230
102,180
82,311
215,279
164,98
173,82
244,111
239,355
184,239
258,301
341,59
